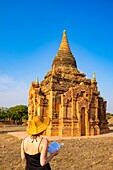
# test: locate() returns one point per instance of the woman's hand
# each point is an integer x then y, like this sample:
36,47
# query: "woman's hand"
54,153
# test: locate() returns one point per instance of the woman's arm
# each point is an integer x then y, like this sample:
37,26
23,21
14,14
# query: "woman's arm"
43,158
22,151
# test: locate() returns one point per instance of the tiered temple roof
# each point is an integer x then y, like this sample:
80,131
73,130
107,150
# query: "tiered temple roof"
64,69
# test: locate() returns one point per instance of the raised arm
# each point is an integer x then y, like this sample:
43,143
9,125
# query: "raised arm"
43,158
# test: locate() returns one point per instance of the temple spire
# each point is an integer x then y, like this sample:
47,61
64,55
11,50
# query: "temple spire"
64,57
93,78
37,82
94,82
64,43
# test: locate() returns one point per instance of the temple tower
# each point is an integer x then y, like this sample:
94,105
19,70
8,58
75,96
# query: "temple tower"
71,100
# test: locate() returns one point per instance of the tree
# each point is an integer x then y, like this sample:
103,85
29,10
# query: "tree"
3,113
18,113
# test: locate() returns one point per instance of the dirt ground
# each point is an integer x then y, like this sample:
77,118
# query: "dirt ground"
76,154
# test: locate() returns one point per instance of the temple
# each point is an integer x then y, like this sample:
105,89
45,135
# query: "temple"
71,100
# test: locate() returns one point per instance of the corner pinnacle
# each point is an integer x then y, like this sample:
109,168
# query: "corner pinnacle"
93,77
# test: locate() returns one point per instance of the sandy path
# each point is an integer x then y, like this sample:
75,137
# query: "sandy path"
22,135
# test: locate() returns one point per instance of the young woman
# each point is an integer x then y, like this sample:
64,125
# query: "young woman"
34,148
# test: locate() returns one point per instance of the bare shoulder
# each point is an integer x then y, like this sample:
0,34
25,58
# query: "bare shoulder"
45,141
26,138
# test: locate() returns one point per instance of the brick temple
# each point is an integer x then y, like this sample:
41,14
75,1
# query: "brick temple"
71,100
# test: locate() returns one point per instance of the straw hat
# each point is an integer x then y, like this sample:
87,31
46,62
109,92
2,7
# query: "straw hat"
36,125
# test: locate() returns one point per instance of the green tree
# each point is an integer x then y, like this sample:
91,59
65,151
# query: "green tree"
3,113
18,113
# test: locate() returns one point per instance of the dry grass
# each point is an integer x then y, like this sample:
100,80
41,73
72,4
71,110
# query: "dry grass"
76,154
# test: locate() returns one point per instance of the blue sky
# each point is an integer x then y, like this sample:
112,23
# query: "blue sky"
30,35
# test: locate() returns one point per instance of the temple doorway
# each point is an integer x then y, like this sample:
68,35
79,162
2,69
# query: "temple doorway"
83,131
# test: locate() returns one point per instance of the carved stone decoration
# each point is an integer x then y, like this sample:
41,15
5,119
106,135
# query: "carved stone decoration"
71,100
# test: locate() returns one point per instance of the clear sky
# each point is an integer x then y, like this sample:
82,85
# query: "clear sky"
30,35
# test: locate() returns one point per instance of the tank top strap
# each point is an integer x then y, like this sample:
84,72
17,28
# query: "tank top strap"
39,144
